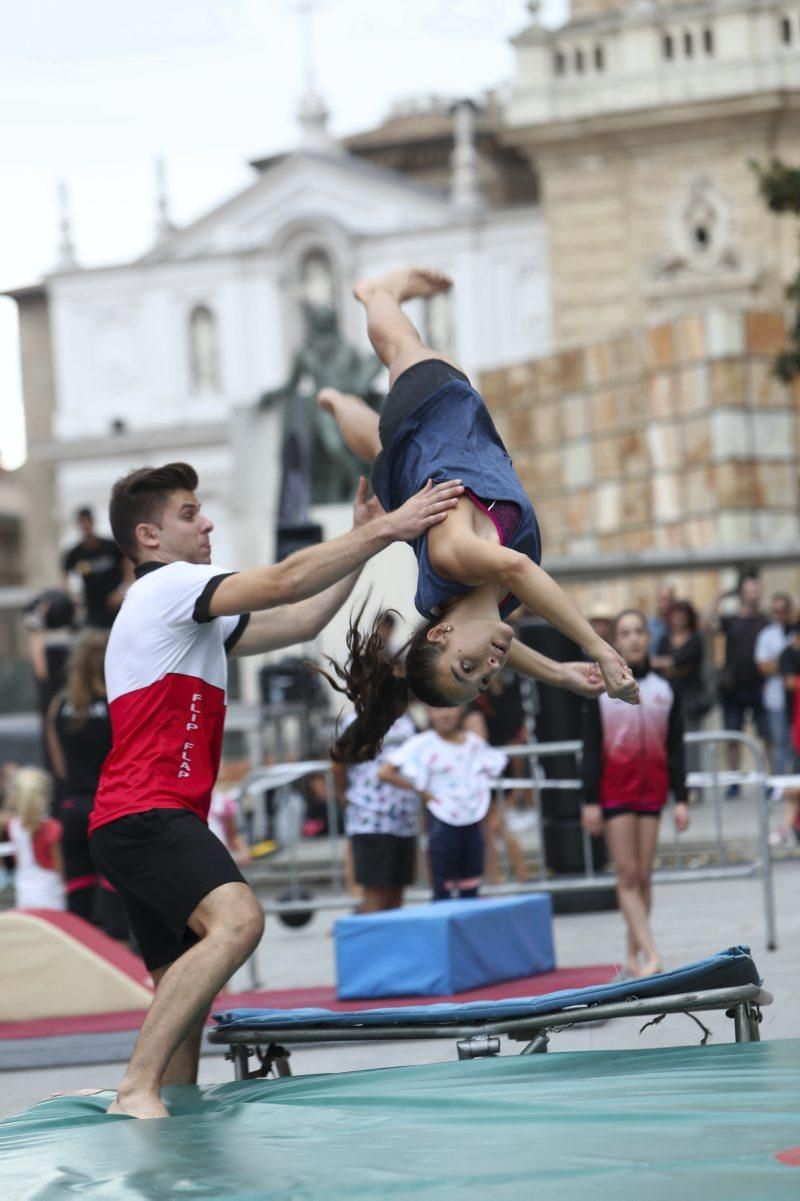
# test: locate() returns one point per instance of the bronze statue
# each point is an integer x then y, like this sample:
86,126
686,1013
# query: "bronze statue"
317,467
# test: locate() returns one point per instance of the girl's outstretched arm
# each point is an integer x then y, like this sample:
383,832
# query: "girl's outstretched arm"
583,678
539,591
465,557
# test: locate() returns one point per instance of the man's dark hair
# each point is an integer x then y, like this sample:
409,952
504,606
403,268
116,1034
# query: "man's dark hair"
141,495
84,513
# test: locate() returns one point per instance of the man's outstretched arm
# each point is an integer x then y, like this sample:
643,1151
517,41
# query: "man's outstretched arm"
289,625
315,568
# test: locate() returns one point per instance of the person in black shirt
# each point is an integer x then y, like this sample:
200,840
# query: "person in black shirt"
79,739
49,620
740,683
679,658
788,832
101,565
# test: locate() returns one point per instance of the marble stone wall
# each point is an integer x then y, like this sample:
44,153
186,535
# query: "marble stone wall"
668,438
617,220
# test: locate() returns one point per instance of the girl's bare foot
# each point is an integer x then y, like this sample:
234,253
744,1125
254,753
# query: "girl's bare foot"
139,1105
404,284
651,967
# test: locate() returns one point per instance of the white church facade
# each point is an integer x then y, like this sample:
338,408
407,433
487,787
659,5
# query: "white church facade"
166,357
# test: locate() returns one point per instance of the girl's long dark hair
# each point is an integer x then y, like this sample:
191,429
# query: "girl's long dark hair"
381,685
85,681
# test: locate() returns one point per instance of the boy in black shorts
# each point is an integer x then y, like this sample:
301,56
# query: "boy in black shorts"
195,918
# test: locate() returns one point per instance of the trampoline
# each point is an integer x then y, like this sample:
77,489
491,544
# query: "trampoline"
728,981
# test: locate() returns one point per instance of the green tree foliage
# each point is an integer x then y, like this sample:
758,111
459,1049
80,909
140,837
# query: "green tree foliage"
779,187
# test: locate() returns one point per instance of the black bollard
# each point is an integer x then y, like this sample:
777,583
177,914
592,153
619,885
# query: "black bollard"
559,719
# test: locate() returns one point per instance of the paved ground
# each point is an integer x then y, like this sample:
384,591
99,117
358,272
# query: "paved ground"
692,920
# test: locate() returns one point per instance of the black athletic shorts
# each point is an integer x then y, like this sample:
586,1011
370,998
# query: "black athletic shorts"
384,860
162,864
409,390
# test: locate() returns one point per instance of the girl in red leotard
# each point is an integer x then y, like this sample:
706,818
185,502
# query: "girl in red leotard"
632,759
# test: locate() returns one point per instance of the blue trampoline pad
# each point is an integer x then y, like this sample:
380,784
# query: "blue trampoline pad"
727,969
604,1125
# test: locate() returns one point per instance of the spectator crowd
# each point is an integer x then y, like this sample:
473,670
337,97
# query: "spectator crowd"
434,783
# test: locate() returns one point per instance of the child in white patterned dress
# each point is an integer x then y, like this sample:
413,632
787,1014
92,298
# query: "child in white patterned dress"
451,770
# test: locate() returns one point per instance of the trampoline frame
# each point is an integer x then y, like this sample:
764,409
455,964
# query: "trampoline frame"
477,1039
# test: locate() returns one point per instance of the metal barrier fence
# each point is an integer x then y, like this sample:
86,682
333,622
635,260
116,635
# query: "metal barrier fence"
283,777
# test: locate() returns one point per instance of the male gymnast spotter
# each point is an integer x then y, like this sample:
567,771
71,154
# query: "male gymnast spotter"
194,917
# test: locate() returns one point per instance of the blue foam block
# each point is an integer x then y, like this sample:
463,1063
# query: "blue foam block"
443,948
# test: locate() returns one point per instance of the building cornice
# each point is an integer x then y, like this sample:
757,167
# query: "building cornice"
708,558
655,16
132,442
27,292
642,123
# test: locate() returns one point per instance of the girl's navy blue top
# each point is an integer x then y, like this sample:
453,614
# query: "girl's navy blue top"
451,435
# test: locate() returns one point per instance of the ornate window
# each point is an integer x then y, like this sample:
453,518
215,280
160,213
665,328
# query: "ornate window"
786,31
599,58
559,62
705,220
703,250
688,44
203,350
708,41
579,60
317,280
667,46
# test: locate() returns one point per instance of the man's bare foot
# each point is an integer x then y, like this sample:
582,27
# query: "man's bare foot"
139,1105
404,284
79,1092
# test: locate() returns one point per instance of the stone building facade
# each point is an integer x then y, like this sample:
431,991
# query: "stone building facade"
669,443
154,358
642,121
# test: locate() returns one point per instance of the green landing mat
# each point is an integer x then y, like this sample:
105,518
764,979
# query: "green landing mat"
669,1124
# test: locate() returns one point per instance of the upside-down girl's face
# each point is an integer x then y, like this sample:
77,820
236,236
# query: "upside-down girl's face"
474,650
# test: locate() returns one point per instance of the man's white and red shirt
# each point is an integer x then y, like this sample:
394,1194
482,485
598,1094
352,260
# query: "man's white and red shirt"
166,677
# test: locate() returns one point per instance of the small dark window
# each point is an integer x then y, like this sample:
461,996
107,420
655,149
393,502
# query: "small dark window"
560,62
204,366
688,44
578,60
667,46
786,30
708,41
599,58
